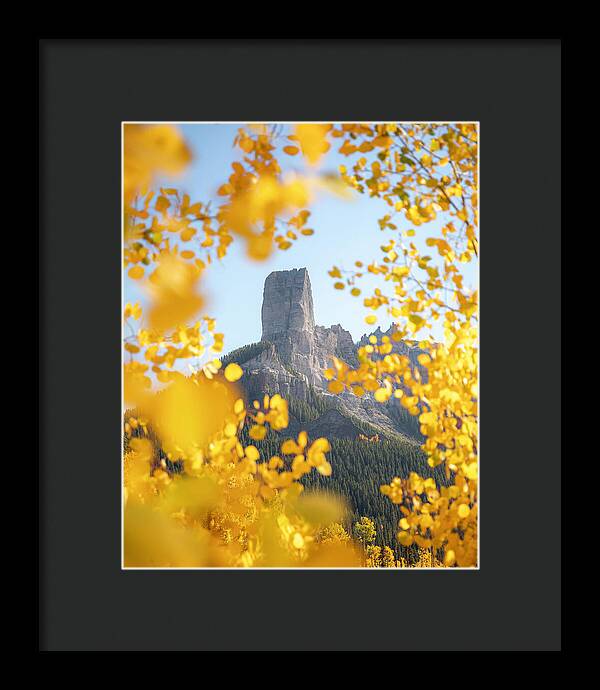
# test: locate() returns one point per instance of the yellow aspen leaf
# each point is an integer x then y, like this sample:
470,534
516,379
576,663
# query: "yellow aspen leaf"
291,150
162,204
252,453
324,468
189,412
173,293
187,234
470,470
371,385
150,150
230,430
233,372
247,145
335,387
382,395
405,538
136,272
416,319
347,148
275,463
463,511
313,141
320,445
225,190
382,142
257,432
426,521
267,492
450,558
290,447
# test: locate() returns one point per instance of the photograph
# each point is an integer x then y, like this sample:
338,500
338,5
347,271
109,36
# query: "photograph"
300,345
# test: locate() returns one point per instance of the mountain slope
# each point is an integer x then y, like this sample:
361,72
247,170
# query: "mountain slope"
293,353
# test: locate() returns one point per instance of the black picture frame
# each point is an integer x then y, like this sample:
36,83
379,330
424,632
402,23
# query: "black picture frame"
86,89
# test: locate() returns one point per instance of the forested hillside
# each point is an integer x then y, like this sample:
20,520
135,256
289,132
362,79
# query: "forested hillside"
360,467
245,353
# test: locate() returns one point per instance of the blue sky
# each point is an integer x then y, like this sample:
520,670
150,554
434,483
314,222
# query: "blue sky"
345,230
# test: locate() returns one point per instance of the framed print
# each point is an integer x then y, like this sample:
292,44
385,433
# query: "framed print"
283,337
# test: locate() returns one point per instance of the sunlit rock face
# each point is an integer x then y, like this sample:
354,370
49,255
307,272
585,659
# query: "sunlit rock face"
287,304
294,353
288,321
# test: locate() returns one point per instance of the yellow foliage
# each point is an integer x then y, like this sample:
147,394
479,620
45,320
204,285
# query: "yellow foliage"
174,299
313,140
151,150
419,294
233,372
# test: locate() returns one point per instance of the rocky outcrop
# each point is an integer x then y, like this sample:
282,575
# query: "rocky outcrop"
295,352
400,347
287,304
288,322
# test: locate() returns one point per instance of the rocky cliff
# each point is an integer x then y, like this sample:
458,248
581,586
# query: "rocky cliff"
294,352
